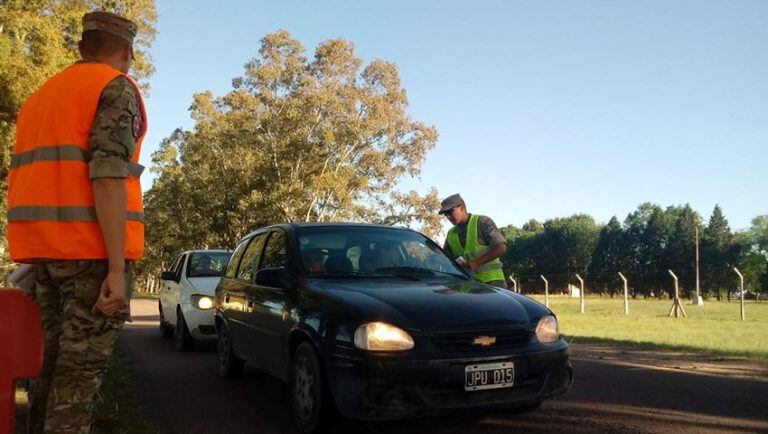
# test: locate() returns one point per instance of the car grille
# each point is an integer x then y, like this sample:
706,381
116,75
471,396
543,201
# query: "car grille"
464,340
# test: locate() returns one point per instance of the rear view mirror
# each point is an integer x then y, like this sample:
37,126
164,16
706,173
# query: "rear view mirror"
168,275
272,277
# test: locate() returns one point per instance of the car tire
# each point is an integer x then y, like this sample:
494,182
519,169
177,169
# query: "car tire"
230,366
312,406
166,331
182,339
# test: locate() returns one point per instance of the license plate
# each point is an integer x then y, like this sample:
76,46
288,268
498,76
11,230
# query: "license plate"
489,376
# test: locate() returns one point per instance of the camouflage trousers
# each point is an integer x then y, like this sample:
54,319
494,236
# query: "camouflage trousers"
78,344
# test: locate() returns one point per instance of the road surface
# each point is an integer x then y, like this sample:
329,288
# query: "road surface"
183,394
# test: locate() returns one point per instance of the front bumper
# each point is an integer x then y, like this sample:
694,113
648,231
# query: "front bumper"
371,387
200,323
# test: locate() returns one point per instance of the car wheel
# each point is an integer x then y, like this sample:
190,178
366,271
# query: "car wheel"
166,331
182,339
230,365
311,403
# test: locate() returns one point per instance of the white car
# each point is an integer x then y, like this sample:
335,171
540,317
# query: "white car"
187,296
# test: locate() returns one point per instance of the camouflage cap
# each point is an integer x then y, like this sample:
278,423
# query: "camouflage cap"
110,23
450,202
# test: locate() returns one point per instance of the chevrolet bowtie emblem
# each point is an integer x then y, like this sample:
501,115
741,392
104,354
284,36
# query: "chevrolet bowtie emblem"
484,341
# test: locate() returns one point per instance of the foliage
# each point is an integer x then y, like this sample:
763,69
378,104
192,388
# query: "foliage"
37,40
607,259
720,253
296,139
566,247
651,241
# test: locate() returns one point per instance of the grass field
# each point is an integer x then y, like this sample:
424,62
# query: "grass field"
714,328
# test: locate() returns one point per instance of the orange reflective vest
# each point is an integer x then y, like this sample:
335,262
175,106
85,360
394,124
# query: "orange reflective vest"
51,212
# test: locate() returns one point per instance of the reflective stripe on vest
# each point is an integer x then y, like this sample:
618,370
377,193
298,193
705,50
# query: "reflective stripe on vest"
472,249
51,210
61,214
63,153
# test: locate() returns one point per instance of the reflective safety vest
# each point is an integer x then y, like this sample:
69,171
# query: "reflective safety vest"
471,250
51,212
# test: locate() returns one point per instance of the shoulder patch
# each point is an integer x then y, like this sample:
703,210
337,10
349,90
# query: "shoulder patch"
136,126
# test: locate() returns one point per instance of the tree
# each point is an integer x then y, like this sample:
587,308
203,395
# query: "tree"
38,39
752,246
718,254
644,244
606,261
681,248
522,252
567,246
295,140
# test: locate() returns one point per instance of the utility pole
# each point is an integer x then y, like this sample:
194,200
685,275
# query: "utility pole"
741,290
626,292
677,307
581,293
546,290
698,301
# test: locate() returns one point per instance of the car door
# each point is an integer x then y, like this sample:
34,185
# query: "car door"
269,317
237,298
177,290
170,287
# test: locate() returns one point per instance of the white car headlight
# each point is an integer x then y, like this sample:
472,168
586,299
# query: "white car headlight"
546,329
203,302
380,336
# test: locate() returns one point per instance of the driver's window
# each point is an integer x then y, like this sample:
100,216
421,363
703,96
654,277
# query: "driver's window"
250,261
235,260
276,252
178,264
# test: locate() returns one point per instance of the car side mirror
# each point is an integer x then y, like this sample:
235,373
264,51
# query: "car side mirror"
168,275
272,277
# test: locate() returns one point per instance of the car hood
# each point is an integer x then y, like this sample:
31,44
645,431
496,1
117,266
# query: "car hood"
204,285
434,304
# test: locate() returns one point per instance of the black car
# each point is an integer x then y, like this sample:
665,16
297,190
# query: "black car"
376,322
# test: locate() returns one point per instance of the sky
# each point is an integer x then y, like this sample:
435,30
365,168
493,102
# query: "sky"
544,108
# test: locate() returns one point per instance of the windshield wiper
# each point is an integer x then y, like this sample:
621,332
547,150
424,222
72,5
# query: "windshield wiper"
341,274
410,271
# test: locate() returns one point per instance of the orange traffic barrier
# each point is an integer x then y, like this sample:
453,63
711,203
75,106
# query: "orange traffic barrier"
21,348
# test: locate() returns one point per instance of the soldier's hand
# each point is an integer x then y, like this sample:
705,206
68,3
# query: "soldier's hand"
112,294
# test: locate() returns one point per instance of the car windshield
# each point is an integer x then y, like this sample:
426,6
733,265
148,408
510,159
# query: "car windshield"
207,264
371,251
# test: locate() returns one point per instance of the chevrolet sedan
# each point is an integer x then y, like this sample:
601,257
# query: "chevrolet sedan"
378,323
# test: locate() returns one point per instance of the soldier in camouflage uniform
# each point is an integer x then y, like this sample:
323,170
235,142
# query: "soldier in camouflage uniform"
80,320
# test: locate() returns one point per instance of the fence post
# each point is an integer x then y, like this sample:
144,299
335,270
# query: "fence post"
677,307
626,292
741,290
581,293
514,282
546,290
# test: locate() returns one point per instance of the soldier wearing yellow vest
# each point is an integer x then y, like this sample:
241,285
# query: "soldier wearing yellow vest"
476,240
75,213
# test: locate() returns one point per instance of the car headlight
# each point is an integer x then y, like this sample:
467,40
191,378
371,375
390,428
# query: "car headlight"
380,336
546,329
203,302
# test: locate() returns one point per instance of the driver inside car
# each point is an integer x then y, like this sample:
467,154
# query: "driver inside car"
314,261
204,266
387,256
